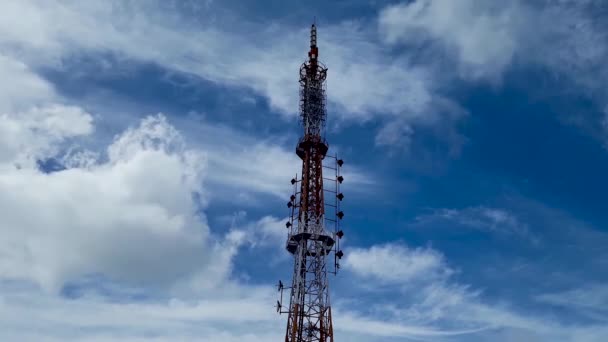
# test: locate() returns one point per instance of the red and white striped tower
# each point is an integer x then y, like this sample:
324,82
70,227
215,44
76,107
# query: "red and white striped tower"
314,231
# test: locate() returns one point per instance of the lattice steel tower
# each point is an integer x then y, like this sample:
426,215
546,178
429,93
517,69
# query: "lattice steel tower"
313,229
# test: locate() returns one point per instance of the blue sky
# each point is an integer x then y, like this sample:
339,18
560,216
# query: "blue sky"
147,147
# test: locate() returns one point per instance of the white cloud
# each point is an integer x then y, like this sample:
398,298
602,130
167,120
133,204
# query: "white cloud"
243,165
130,216
393,134
33,134
247,317
32,121
129,213
20,87
483,36
578,45
267,60
257,167
481,218
107,213
370,327
590,300
482,40
267,232
426,301
365,81
111,218
424,272
486,38
395,263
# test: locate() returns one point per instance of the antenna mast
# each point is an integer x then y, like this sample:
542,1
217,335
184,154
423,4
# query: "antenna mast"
314,225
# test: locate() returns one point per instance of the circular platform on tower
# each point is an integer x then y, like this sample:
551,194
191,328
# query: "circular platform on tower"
294,241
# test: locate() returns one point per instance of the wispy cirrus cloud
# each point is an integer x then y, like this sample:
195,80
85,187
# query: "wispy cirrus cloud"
242,317
395,263
427,301
266,61
488,38
487,219
242,165
482,37
484,41
590,301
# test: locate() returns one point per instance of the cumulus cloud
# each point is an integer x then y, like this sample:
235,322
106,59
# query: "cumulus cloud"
28,136
32,121
112,218
104,212
108,213
111,225
129,221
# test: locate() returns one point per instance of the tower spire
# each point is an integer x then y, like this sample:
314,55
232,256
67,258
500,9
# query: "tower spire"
313,232
313,36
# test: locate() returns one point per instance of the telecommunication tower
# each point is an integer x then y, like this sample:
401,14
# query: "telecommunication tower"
314,226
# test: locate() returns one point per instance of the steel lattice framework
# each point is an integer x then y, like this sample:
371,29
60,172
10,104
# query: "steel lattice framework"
309,239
